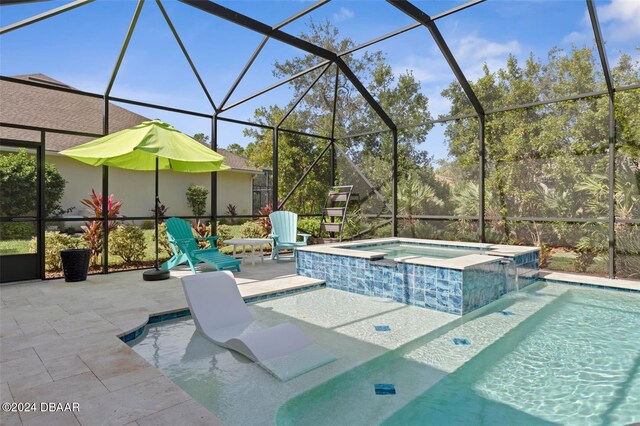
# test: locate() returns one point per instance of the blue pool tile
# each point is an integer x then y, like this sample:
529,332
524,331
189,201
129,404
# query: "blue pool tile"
382,327
384,389
442,285
506,313
455,276
455,302
461,341
443,274
430,274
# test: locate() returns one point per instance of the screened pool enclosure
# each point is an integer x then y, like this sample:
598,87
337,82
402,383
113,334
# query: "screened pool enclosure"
444,132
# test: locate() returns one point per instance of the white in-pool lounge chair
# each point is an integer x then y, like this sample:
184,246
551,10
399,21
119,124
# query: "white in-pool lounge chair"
222,317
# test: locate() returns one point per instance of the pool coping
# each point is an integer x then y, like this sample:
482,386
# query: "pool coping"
463,262
157,317
589,281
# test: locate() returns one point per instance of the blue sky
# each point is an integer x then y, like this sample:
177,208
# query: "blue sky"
80,47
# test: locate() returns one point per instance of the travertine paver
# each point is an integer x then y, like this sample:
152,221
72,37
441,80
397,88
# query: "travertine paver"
186,413
58,343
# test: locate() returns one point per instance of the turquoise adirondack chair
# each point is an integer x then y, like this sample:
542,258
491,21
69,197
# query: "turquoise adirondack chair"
284,233
185,249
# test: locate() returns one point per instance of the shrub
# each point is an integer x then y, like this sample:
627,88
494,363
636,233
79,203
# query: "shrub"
18,172
225,232
252,230
197,199
54,242
163,241
127,241
17,230
149,224
309,226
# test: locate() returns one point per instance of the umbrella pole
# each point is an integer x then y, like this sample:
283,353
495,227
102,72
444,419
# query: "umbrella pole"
156,274
157,213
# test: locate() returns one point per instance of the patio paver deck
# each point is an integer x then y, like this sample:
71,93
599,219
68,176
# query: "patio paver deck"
58,343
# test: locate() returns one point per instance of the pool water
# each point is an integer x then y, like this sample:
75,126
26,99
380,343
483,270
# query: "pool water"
574,360
393,251
550,354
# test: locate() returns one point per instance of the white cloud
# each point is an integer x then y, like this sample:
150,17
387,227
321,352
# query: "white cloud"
343,14
426,69
622,18
619,20
578,38
476,48
471,53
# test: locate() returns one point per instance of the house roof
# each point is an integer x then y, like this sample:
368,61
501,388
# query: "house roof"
53,109
238,162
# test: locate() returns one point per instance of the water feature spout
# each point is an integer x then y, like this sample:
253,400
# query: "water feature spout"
510,263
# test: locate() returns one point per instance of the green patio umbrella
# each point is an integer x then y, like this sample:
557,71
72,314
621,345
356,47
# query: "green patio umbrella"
152,145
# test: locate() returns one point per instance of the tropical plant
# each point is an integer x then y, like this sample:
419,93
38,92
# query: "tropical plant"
197,199
627,201
93,235
415,196
127,241
586,253
232,210
162,211
264,220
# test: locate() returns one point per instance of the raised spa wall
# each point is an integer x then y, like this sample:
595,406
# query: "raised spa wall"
456,290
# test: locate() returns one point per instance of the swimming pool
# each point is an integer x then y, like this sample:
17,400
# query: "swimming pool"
553,353
574,361
393,251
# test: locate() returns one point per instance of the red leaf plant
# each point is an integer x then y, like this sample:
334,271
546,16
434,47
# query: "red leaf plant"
264,221
93,230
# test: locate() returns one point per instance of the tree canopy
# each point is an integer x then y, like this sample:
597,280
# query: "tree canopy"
549,161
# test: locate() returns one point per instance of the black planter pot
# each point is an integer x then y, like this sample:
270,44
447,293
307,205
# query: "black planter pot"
75,264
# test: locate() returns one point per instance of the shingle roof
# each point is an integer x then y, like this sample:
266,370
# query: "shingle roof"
237,162
40,107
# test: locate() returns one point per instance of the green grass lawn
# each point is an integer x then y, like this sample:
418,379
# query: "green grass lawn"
14,247
565,261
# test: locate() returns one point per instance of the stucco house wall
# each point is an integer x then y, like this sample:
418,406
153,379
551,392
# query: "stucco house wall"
136,189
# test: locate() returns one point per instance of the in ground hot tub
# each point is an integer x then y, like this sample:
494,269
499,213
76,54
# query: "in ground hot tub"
447,276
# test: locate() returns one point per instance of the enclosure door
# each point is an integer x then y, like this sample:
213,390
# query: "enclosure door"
20,212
